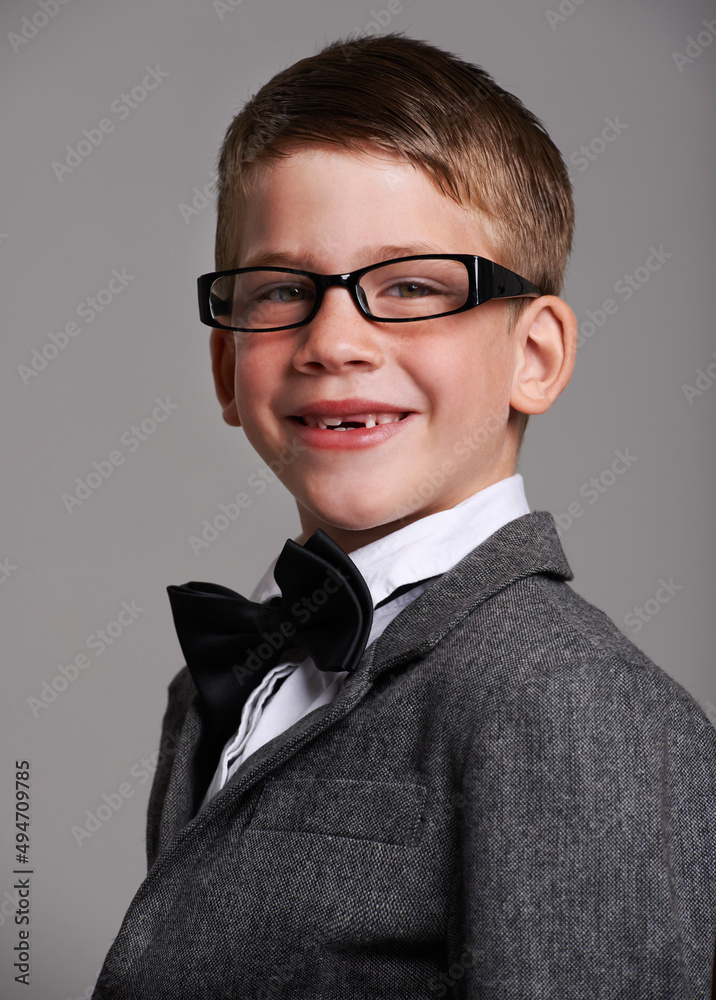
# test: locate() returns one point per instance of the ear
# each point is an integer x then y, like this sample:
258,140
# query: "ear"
223,361
546,348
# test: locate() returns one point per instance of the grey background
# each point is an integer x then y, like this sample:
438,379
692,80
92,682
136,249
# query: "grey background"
120,208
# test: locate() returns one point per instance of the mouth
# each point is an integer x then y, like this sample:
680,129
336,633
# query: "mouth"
350,421
349,424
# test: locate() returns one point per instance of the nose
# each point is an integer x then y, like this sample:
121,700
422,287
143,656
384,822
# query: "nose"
339,338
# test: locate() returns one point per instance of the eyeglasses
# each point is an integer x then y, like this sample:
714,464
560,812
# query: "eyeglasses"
403,290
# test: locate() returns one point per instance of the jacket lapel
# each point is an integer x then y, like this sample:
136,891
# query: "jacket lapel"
179,803
524,547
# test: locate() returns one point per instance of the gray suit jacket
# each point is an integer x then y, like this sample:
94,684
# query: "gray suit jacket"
506,800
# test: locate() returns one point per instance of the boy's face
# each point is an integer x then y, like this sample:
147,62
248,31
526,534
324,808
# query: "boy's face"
449,379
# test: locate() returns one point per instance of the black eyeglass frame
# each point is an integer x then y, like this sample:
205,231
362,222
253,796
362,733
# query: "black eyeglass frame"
487,280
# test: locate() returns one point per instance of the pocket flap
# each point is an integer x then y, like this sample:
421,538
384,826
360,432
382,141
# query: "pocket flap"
385,811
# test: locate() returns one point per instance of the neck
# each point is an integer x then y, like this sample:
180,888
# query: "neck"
351,539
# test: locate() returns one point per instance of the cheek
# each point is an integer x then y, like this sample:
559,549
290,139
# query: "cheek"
258,370
462,380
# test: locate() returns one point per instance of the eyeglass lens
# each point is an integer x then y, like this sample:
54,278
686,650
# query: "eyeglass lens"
262,300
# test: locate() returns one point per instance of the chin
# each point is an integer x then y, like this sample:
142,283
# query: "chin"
353,515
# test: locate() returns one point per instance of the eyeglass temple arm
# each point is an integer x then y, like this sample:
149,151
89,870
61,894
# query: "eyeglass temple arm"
496,282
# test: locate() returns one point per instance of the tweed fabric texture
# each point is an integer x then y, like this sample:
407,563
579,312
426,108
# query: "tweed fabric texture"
506,800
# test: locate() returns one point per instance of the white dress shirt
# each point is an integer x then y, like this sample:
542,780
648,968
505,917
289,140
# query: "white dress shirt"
421,551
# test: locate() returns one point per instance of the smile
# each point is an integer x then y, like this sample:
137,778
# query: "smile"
350,421
361,424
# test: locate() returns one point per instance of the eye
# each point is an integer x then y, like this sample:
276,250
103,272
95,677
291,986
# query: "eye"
411,290
285,293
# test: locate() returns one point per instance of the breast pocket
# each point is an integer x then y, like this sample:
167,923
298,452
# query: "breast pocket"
382,811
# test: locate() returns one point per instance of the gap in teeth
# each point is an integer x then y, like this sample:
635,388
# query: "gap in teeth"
335,423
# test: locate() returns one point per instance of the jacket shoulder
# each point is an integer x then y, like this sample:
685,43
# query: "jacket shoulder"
539,646
594,772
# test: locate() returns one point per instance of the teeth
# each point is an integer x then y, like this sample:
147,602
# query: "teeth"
371,420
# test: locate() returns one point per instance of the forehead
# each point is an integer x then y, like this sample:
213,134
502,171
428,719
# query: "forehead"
326,207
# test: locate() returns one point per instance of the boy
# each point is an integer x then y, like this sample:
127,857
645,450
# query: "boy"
429,769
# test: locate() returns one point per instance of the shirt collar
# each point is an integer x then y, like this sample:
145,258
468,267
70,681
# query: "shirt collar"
430,546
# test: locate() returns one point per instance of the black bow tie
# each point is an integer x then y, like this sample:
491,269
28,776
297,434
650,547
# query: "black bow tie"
230,643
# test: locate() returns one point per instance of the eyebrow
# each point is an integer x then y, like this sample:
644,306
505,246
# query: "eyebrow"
309,262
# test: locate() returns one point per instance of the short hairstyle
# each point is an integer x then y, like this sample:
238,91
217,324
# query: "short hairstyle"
479,144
